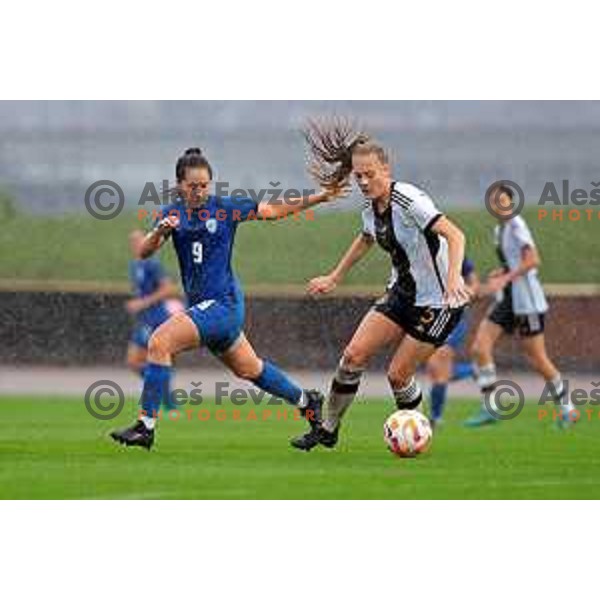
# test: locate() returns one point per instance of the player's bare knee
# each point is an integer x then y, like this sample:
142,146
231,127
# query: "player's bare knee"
354,358
248,372
158,348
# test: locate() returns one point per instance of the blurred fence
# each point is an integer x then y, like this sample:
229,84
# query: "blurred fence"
57,328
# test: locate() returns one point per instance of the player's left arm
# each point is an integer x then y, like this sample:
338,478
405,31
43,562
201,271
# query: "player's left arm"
282,208
166,289
530,259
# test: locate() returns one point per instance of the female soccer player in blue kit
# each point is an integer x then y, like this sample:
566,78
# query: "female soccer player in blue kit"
153,303
203,229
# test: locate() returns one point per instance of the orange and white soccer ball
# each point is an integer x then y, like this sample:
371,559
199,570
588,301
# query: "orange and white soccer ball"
407,433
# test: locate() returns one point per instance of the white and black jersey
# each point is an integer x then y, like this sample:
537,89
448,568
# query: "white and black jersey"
520,307
415,295
419,255
526,293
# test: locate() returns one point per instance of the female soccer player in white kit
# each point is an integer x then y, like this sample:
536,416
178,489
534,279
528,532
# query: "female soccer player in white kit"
520,308
426,294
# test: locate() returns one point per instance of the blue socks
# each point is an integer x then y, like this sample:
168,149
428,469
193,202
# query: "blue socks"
438,399
439,391
462,370
274,381
157,386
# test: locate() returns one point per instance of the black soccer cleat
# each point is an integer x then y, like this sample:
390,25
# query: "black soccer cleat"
306,441
318,435
136,435
312,411
329,439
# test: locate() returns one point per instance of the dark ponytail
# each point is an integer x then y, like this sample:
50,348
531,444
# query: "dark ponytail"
192,158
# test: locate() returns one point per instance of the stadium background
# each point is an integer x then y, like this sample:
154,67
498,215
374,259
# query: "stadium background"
63,273
63,284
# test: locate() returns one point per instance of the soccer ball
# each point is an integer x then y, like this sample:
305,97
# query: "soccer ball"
407,433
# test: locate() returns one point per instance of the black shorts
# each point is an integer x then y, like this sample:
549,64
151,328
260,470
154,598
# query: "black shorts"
424,323
502,314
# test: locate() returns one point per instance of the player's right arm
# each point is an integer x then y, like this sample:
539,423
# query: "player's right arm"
156,238
357,250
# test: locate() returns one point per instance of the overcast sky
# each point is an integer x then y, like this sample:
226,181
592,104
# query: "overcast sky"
227,115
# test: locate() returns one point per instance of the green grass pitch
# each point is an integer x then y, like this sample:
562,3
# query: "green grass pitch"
52,448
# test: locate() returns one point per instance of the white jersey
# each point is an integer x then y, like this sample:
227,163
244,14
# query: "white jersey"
419,256
527,292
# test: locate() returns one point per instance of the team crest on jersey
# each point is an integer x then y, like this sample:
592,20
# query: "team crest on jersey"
211,225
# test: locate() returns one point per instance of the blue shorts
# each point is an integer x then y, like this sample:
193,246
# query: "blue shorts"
219,322
143,330
459,334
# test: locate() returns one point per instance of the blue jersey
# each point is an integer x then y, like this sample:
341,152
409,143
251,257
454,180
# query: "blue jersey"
203,241
146,277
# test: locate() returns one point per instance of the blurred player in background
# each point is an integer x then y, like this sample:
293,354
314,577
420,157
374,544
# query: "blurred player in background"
520,307
443,367
155,300
426,294
203,229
